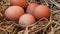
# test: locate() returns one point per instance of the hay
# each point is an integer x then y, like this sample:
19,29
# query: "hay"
51,26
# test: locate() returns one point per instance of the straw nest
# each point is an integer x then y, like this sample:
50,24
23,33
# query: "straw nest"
51,26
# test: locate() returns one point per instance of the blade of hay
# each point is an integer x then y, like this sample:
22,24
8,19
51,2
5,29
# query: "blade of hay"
26,31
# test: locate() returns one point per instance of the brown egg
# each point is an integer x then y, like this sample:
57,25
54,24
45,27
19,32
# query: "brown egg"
42,11
13,13
22,3
26,20
31,7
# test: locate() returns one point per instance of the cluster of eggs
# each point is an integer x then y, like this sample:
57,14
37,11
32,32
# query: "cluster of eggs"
33,11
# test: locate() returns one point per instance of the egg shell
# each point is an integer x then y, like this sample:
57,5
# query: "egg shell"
42,11
26,20
13,13
31,7
21,3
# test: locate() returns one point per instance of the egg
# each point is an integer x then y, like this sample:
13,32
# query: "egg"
26,20
42,11
13,13
21,3
31,7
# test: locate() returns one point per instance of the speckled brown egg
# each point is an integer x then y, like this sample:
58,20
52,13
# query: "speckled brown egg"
42,11
26,20
21,3
14,13
31,7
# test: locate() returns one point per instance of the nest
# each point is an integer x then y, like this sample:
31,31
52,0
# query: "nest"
51,26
